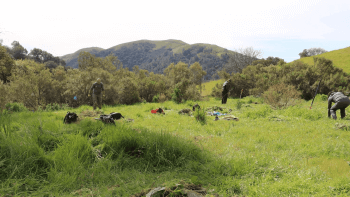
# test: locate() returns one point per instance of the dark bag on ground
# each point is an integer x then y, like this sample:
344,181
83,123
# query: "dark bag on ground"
70,117
107,119
116,115
196,106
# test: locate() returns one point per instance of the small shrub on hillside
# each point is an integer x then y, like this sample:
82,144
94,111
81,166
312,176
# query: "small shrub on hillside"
250,101
162,98
200,116
239,104
217,91
155,98
190,103
281,96
192,93
15,107
177,95
54,107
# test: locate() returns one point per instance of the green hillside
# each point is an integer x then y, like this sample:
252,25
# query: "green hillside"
92,50
340,58
155,56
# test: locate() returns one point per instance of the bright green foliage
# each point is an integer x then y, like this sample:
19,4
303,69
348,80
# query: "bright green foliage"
6,64
15,107
305,78
293,151
200,115
239,104
340,58
281,96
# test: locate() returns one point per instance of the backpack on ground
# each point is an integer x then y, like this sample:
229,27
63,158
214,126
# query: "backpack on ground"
70,117
116,115
107,119
196,106
159,110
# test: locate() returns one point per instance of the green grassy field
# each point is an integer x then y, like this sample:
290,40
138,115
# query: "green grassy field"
340,58
291,152
207,87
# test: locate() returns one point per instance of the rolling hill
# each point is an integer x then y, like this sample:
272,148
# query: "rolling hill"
340,58
155,56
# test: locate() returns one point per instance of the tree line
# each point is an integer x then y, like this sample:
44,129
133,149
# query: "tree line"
34,84
258,77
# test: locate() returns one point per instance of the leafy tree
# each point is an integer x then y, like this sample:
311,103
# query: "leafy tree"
312,52
197,74
128,91
223,74
6,64
18,51
316,51
36,55
177,72
51,65
269,61
4,96
304,53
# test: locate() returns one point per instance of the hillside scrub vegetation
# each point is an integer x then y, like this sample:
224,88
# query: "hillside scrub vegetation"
256,79
33,84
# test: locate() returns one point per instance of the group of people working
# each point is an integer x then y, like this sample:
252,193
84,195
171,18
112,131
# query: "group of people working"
341,101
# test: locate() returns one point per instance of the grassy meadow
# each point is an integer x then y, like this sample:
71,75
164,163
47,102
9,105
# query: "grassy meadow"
292,152
207,87
340,58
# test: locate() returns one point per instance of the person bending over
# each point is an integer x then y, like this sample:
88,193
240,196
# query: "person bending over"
341,102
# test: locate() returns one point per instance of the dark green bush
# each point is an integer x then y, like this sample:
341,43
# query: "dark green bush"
200,115
15,107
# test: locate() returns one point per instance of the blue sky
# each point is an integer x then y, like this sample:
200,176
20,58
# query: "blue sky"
277,28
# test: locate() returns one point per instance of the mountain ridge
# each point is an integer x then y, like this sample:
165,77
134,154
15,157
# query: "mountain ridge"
156,55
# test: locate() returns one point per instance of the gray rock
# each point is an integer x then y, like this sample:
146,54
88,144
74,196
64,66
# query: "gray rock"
191,193
155,190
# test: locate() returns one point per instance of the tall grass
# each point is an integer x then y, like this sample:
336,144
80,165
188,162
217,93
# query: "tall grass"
290,152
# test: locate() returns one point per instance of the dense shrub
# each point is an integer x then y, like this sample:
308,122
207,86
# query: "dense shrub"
217,91
155,98
162,98
15,107
128,91
281,96
200,115
239,104
55,107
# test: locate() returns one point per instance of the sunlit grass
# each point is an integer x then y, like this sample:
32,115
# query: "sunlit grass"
207,87
293,152
340,58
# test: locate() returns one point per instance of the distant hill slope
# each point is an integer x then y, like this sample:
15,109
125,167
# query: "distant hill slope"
72,58
340,58
155,56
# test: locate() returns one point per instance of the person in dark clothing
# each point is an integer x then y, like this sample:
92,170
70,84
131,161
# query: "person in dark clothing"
341,102
97,89
225,90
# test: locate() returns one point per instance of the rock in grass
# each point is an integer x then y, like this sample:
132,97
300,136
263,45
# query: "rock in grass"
155,190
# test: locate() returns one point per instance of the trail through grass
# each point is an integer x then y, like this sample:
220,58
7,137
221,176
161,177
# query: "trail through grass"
291,152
